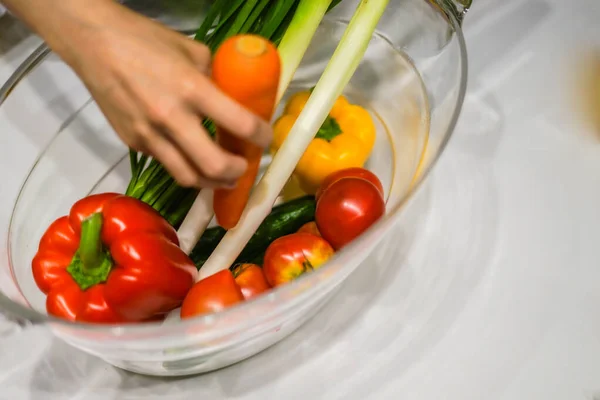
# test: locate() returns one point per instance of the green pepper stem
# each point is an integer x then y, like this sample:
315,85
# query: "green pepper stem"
90,245
91,264
329,129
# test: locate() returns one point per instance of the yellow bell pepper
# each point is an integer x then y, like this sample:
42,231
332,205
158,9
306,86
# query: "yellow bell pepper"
345,140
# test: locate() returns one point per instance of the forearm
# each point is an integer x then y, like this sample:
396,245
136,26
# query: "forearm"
62,23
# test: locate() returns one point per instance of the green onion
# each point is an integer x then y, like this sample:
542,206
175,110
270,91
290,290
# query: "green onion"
338,73
196,221
297,38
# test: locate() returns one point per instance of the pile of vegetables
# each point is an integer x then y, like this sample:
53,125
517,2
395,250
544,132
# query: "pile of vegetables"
135,257
349,201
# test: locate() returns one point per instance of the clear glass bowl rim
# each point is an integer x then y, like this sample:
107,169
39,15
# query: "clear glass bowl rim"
30,316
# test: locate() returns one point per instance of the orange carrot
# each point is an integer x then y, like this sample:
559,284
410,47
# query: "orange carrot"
246,68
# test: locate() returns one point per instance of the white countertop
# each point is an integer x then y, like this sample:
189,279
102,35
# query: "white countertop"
495,296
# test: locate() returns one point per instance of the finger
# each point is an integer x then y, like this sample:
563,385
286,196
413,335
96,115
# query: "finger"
177,165
206,156
199,54
230,115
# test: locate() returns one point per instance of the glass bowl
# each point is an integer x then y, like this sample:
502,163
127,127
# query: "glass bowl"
412,80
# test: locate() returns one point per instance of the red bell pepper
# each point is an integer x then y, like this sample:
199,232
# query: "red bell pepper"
113,259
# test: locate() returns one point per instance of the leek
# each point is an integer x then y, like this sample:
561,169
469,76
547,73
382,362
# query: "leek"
336,76
297,38
292,48
196,221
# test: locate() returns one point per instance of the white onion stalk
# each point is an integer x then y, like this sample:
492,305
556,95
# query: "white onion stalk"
292,48
338,73
196,220
297,38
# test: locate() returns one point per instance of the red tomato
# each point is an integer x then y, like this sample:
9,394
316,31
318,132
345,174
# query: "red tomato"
212,294
349,173
310,227
346,209
293,255
250,279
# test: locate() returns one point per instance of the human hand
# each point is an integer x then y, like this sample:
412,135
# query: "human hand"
153,86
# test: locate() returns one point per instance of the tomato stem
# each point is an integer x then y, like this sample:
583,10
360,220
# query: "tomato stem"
91,263
306,264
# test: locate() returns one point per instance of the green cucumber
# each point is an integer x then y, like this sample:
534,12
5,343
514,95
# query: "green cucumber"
284,219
